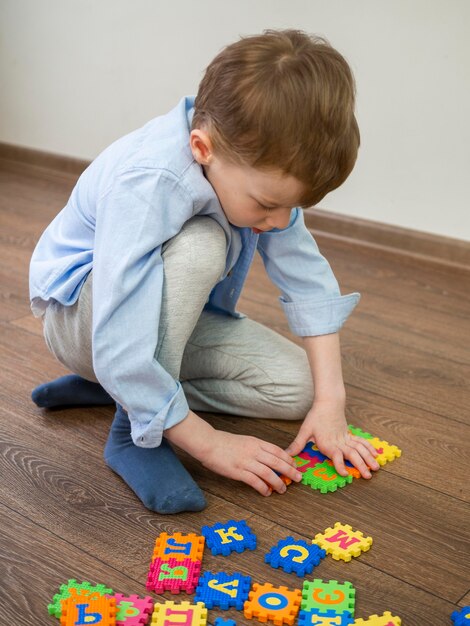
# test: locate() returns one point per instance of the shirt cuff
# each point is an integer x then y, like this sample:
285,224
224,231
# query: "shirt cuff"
150,435
319,317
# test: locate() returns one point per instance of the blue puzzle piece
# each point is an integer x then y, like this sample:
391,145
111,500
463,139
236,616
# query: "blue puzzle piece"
295,555
223,590
314,617
461,617
311,452
229,537
220,621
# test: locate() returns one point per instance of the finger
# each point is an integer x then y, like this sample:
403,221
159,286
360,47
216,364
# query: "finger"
338,462
353,455
268,476
299,443
279,465
278,452
364,451
367,444
254,481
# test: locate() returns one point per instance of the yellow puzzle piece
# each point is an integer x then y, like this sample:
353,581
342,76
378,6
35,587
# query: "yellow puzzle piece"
179,614
387,619
342,542
386,451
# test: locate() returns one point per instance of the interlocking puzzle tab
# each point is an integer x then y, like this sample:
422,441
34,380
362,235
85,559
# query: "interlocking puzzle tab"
179,546
223,590
359,432
182,614
278,604
328,595
133,610
295,555
461,617
325,478
342,542
387,619
84,609
232,536
220,621
72,587
315,617
173,575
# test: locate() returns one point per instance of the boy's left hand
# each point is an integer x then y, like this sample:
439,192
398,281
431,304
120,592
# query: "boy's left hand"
325,425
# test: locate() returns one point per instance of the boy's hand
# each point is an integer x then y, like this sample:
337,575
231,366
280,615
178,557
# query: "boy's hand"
251,460
325,425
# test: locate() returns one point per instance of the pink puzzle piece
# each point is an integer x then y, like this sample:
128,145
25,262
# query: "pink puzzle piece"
133,610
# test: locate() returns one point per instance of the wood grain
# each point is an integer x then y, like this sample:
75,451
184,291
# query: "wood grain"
406,364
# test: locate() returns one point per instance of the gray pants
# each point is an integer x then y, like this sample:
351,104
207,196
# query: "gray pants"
225,365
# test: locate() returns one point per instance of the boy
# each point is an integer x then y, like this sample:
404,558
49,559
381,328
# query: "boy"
137,278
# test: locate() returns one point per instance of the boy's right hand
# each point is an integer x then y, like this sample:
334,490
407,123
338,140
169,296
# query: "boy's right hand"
251,460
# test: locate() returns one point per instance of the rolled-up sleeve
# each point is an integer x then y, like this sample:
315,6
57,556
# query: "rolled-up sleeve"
310,294
144,208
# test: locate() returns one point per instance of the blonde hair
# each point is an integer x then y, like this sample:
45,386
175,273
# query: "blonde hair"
282,100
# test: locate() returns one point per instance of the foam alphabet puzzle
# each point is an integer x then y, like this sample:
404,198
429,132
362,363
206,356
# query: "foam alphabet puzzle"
387,619
232,536
223,590
173,575
179,546
461,617
84,609
182,614
295,555
72,587
133,610
278,604
325,478
342,542
328,595
315,617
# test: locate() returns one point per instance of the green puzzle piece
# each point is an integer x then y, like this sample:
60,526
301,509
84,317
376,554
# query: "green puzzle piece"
325,478
55,608
326,595
359,433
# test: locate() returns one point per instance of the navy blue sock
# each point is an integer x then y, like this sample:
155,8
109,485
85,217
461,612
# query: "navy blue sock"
156,475
70,390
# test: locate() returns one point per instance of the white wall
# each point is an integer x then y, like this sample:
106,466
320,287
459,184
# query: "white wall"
76,74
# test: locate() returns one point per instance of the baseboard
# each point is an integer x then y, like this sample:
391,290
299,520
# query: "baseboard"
412,242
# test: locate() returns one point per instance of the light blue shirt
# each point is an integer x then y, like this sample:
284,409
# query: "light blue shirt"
135,196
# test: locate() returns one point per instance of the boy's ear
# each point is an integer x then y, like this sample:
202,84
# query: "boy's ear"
201,146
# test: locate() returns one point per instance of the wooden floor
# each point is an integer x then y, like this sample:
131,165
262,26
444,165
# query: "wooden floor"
406,353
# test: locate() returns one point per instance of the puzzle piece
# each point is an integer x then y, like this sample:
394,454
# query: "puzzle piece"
304,461
342,542
173,575
387,619
325,478
229,537
220,621
315,617
65,591
133,610
358,432
223,590
278,604
328,595
181,614
461,617
295,555
88,608
179,546
386,452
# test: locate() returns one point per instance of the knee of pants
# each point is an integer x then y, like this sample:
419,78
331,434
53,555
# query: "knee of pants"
201,246
294,398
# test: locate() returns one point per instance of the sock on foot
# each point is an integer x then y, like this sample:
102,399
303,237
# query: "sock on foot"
70,390
156,475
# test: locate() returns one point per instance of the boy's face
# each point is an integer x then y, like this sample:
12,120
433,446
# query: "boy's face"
261,200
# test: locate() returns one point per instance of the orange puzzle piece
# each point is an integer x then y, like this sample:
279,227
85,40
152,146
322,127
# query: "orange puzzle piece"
85,609
179,546
278,604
